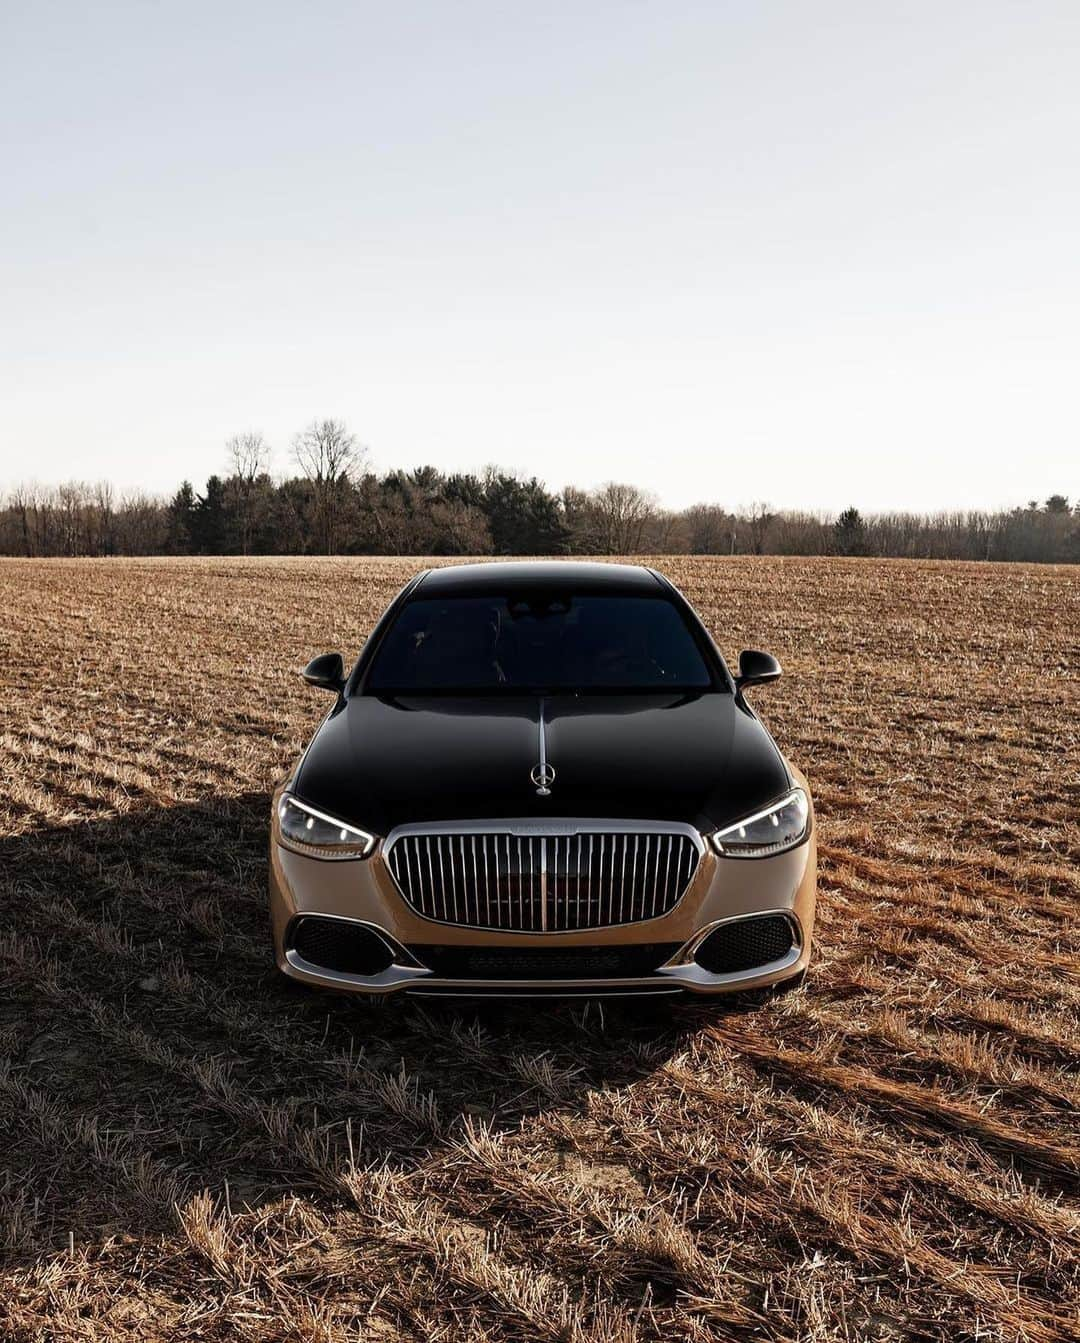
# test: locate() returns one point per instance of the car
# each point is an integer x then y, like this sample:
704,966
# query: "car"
540,778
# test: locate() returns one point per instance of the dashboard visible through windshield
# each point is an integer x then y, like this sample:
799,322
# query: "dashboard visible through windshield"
545,642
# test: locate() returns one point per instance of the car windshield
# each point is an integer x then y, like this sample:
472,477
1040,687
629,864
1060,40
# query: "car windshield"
566,642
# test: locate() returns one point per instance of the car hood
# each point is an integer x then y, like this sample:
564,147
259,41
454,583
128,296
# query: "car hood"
703,759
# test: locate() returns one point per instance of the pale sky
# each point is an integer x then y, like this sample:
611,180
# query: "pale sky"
815,254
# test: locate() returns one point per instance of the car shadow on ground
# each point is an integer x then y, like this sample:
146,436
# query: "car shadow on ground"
149,1049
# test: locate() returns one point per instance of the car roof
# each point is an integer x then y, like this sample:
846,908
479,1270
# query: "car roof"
458,580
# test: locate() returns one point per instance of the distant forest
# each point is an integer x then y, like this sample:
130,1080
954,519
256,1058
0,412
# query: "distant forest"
334,505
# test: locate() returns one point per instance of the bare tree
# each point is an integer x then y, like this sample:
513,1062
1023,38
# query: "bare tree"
387,518
758,524
663,533
708,529
105,509
800,533
23,502
249,456
70,505
141,525
622,514
328,454
458,529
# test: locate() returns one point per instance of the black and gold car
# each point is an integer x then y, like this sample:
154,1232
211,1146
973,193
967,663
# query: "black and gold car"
542,778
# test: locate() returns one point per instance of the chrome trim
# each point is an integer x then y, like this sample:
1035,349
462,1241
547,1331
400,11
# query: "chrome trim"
683,964
543,882
455,989
529,825
530,872
666,979
542,774
403,968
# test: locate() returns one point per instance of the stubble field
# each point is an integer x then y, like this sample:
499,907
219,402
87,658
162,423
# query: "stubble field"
191,1149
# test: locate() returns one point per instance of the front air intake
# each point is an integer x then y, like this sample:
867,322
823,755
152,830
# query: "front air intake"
746,944
338,944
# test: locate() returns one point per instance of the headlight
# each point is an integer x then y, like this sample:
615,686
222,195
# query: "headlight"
313,832
776,828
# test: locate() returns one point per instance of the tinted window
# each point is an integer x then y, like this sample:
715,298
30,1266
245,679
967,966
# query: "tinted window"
539,642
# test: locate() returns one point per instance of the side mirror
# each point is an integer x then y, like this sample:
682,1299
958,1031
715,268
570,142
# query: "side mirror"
756,668
327,671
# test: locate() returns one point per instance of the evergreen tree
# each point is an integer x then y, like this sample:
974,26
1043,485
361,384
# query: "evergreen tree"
464,488
209,531
523,518
181,518
849,533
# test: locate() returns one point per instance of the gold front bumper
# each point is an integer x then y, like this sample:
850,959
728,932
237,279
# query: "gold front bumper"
722,889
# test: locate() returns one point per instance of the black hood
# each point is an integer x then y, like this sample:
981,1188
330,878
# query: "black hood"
700,758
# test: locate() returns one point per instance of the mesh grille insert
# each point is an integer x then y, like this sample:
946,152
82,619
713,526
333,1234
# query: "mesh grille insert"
337,945
745,944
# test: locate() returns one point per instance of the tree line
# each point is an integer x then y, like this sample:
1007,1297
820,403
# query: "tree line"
333,504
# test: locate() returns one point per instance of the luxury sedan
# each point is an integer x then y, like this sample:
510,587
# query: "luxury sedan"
541,778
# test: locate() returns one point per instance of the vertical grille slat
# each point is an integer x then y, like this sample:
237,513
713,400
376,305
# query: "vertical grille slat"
472,878
442,883
453,879
622,879
543,882
557,900
577,886
666,876
487,887
599,884
587,922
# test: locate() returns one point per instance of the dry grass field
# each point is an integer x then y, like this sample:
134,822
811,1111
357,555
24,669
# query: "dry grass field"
190,1148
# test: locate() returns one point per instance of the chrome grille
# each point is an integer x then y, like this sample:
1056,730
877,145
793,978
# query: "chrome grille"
532,880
